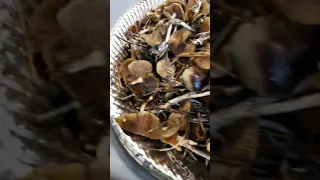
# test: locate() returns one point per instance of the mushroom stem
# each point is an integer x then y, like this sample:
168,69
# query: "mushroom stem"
170,29
143,106
139,80
189,95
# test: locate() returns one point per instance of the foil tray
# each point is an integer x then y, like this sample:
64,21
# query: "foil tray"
168,165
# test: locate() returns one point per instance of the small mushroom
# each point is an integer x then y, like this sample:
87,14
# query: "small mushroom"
177,9
143,85
177,41
196,18
139,67
205,25
166,69
190,48
204,61
153,38
138,123
205,7
194,79
192,4
169,2
123,70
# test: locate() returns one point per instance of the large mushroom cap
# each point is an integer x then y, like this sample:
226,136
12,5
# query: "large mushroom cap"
302,11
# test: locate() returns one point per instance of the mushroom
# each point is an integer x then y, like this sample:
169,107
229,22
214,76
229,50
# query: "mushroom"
139,67
177,9
123,70
153,38
183,5
196,18
205,7
205,25
204,61
166,69
177,41
143,85
138,123
194,79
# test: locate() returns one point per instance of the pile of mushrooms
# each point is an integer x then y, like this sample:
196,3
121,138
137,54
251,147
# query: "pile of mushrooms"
166,76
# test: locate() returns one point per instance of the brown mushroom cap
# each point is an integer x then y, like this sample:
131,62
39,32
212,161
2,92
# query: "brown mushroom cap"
139,67
153,38
204,60
165,68
205,25
183,4
123,70
302,11
177,39
149,84
205,7
193,78
138,123
177,9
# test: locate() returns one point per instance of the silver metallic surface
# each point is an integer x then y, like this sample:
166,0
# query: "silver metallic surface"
163,165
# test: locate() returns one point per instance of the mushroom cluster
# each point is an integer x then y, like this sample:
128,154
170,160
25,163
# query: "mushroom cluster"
166,76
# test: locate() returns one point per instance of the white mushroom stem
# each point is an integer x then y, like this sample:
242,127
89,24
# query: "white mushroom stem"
189,95
146,103
139,80
170,28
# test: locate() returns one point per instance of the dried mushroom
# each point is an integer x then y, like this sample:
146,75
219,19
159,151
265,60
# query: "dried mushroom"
194,79
153,38
175,8
143,85
169,84
139,68
177,41
166,69
205,25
